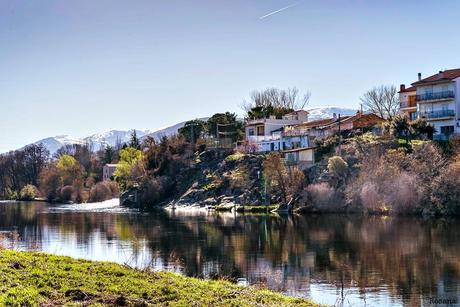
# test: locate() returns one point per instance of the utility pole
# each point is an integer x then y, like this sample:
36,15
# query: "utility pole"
192,135
340,139
217,134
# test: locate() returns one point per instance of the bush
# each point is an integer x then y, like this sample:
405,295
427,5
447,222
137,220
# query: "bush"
11,194
100,192
371,199
337,166
321,196
325,146
28,192
67,193
50,183
446,192
114,188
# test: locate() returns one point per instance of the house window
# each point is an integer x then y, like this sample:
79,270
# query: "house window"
260,130
413,115
447,130
251,131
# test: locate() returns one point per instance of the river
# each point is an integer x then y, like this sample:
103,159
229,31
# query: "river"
332,259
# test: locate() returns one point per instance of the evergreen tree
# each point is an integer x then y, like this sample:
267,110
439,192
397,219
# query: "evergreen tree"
134,141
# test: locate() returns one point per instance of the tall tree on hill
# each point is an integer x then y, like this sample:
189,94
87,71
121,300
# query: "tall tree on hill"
273,101
225,125
192,130
382,100
134,141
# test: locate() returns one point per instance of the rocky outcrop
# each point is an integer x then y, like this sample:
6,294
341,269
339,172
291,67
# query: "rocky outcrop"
234,180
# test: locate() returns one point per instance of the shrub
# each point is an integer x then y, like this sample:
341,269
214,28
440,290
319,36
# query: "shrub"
50,183
11,194
321,196
325,146
446,192
371,199
404,194
100,192
67,193
337,166
114,188
28,192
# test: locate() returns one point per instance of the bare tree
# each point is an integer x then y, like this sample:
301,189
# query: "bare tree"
274,101
382,100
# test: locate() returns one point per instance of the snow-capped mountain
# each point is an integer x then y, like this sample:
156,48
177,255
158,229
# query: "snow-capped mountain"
54,143
328,112
111,137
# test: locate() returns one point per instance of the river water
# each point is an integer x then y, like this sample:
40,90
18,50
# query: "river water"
332,259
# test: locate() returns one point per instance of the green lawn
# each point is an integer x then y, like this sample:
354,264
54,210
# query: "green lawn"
31,278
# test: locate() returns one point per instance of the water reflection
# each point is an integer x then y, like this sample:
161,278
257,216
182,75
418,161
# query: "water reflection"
373,260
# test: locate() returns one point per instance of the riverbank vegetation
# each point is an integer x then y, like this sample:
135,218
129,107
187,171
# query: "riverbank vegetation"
73,174
31,278
400,171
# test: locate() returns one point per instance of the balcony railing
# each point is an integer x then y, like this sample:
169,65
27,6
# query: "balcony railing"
410,103
436,96
262,138
437,114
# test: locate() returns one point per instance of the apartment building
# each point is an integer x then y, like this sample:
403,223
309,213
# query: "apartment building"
438,102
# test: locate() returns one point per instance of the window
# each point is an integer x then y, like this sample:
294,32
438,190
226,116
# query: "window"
413,115
251,131
260,130
447,130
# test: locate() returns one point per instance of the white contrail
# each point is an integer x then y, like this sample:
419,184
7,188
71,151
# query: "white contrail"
280,10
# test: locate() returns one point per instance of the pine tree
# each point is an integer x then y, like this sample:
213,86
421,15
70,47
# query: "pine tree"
134,142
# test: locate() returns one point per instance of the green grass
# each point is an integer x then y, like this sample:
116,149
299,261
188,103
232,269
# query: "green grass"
31,278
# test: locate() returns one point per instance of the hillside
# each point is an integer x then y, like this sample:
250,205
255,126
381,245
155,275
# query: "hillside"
112,137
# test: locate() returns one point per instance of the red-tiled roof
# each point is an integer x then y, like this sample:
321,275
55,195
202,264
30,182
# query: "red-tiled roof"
319,122
445,75
409,89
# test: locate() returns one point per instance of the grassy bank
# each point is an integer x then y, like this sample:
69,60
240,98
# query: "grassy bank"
36,278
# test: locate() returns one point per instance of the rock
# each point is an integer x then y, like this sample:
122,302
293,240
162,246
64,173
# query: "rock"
17,265
210,201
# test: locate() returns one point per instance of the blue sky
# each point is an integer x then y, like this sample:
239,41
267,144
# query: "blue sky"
81,67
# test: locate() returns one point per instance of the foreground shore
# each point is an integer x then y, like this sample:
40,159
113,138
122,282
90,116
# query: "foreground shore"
32,278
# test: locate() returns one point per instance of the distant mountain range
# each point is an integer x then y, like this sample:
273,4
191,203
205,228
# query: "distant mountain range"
328,112
112,137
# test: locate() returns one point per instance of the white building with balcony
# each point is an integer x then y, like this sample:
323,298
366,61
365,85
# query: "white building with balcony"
267,133
438,101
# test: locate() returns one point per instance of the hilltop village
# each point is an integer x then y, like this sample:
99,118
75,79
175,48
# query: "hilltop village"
396,155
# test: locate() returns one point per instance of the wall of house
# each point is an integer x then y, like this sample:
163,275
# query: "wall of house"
292,142
441,105
436,88
306,156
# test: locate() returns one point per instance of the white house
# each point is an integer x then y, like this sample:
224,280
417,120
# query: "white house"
438,101
267,133
108,170
302,157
